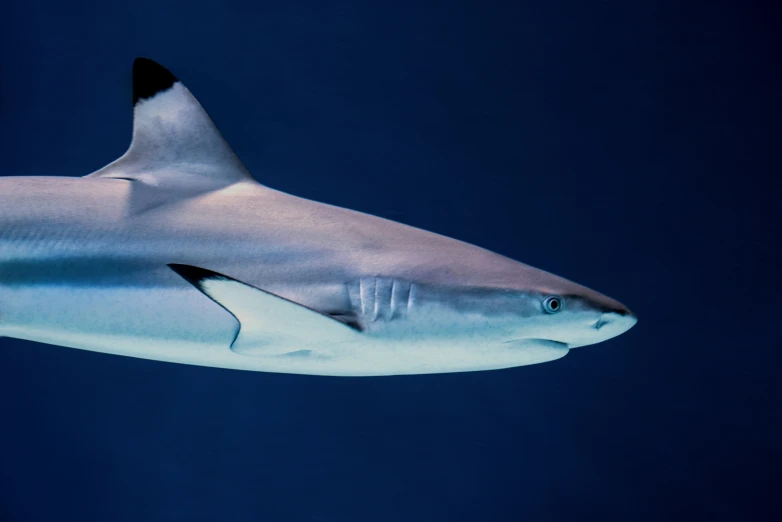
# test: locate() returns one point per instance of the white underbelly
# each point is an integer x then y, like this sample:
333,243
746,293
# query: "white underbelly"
180,325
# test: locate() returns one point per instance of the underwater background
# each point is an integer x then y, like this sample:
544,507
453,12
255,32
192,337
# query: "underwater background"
633,147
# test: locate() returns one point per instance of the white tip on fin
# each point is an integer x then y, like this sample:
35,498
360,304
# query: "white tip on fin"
267,322
175,144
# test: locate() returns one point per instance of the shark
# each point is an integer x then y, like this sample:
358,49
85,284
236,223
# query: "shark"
174,252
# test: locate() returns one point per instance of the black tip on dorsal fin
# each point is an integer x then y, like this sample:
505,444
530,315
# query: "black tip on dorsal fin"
150,78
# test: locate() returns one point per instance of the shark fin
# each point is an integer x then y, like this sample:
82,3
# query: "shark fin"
175,144
265,319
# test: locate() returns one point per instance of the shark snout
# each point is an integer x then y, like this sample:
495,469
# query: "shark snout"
614,323
604,319
608,325
606,304
623,319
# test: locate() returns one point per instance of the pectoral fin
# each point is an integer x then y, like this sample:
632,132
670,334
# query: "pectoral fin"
265,320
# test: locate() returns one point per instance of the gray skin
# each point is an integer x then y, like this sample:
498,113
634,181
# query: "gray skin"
84,262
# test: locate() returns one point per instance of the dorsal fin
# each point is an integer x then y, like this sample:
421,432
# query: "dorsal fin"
175,144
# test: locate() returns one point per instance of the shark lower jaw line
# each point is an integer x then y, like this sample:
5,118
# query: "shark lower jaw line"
537,341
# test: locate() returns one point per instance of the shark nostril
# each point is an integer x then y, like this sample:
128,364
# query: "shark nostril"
601,323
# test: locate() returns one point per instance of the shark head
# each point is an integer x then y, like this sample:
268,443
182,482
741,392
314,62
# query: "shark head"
493,300
554,309
523,317
568,314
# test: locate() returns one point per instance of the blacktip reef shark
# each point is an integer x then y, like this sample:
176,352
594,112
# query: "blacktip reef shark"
174,252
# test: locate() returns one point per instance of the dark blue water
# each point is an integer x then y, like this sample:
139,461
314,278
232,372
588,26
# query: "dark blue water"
629,146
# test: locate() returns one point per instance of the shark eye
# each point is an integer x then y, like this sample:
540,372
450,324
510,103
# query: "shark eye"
553,304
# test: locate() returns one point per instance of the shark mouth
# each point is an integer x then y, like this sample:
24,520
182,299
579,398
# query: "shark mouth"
532,341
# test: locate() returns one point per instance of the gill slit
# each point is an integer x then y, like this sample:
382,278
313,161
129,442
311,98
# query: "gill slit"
376,310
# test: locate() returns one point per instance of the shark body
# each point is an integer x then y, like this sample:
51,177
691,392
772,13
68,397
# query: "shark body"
173,252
